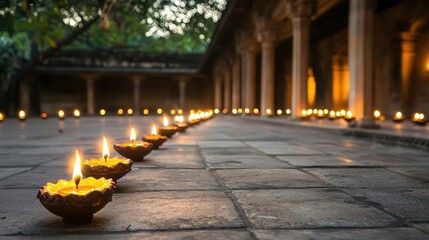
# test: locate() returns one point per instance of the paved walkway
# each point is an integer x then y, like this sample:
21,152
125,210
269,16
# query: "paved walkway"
228,178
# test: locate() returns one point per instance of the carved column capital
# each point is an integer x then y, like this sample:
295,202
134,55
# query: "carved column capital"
266,29
300,8
246,42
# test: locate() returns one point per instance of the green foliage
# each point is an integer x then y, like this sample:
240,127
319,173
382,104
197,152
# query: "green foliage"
141,25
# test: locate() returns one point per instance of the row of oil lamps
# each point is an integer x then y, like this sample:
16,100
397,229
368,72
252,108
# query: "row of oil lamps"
95,179
418,117
61,114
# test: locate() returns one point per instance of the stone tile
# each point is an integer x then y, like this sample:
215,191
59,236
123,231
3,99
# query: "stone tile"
243,161
308,208
236,234
37,177
15,160
220,144
421,173
411,204
268,178
281,148
22,213
231,151
344,234
365,177
59,150
168,179
172,158
6,172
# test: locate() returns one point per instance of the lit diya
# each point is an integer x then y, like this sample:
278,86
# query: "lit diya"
419,119
132,150
192,119
154,138
305,114
180,124
78,199
349,116
167,130
398,117
22,115
106,167
332,115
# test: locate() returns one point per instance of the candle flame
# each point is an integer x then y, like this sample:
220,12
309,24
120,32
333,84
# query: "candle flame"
154,132
105,149
398,115
133,135
77,173
165,121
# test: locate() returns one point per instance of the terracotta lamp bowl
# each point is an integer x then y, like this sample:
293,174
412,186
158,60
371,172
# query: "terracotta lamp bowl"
167,131
76,208
135,152
331,118
193,122
114,168
182,127
398,120
349,119
421,122
157,140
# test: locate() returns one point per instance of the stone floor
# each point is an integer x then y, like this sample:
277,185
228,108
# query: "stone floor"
227,178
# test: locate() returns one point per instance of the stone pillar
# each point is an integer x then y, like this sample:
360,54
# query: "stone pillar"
218,92
248,47
182,91
408,55
300,12
300,63
25,95
227,89
136,95
90,108
361,35
266,35
236,82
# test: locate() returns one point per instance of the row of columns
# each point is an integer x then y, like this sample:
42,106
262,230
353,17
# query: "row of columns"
361,18
137,80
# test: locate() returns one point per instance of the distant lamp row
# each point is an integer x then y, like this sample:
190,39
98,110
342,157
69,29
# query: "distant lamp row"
418,118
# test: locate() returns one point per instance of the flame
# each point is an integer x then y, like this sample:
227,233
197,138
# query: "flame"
398,115
132,135
154,132
77,173
76,113
377,114
165,121
61,113
105,149
22,114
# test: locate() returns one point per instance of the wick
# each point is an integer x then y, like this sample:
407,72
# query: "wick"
133,143
77,181
105,157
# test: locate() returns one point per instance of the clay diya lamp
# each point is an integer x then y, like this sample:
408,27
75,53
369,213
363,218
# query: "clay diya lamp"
320,114
167,130
22,116
305,115
154,138
349,117
106,167
192,120
77,200
133,150
332,116
398,117
180,124
419,119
